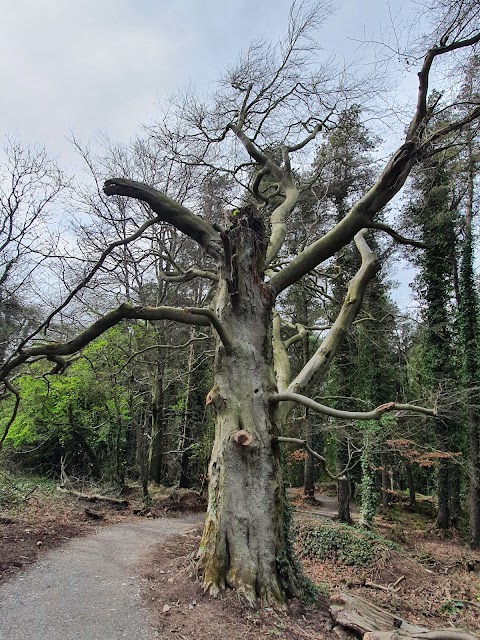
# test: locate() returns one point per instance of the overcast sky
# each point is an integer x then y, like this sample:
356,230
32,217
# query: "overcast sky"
102,65
91,66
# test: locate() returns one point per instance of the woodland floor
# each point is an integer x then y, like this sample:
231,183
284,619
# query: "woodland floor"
440,586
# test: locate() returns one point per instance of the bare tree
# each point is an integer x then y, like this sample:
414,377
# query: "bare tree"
273,105
29,185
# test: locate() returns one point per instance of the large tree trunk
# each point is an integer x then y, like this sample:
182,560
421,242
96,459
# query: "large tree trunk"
244,542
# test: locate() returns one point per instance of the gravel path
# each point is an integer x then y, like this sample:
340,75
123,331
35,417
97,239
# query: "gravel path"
89,589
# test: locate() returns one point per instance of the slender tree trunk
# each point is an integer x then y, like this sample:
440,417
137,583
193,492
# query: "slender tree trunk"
343,494
309,473
309,469
184,480
411,485
120,452
244,543
385,482
157,436
474,458
443,480
343,488
141,453
470,311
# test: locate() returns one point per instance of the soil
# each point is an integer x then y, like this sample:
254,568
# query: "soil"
439,586
45,523
181,610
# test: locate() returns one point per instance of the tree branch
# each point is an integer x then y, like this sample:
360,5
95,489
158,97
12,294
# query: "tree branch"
123,312
16,393
189,274
216,324
397,236
320,361
315,454
376,414
387,186
198,338
169,211
281,361
302,331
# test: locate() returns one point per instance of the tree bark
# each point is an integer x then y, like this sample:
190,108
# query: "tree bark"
157,425
309,467
385,482
470,311
343,485
343,492
411,485
184,480
474,457
244,544
443,493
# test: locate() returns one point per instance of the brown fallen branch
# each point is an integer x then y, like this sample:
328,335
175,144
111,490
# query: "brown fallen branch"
374,623
392,587
441,634
30,493
94,497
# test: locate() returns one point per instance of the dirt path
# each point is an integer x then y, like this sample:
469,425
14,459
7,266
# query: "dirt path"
88,589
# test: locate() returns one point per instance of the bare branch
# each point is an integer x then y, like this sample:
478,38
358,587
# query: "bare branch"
11,420
82,284
390,181
216,324
123,312
315,454
320,361
397,236
189,274
376,414
200,338
281,361
302,332
168,210
303,143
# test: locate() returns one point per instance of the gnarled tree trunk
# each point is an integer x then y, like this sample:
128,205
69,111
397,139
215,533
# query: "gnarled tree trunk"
244,542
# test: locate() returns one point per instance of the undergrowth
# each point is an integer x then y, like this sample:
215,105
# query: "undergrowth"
286,559
15,489
341,543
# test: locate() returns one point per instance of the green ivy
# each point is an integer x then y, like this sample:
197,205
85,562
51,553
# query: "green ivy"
287,560
341,543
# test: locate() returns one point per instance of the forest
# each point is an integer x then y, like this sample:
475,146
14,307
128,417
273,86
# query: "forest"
210,307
